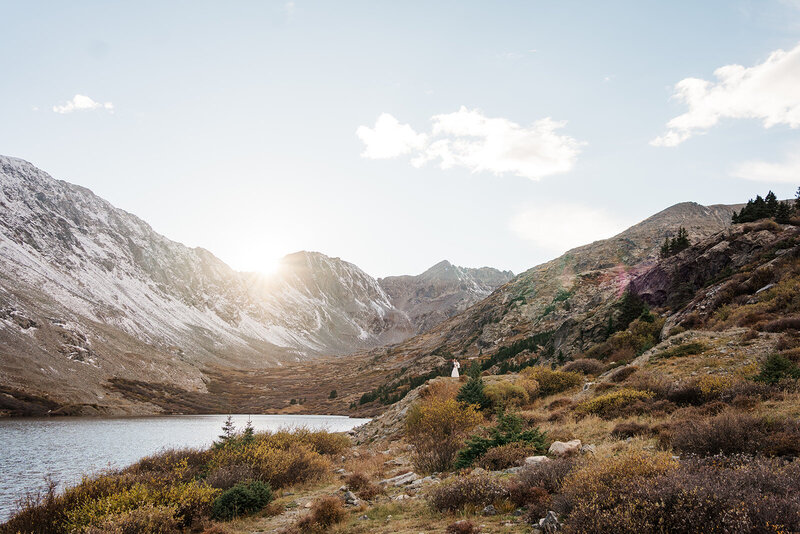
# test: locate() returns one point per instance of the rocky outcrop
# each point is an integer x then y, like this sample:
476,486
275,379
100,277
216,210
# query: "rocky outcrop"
678,278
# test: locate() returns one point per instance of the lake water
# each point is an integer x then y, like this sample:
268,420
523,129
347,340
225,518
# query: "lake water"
68,448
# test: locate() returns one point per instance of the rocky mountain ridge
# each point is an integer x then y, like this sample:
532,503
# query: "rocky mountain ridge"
90,292
441,292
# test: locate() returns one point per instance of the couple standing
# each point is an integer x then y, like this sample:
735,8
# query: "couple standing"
456,367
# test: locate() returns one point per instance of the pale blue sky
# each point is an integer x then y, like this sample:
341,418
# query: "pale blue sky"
234,123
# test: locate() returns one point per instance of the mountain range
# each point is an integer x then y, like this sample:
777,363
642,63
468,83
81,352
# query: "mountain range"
89,292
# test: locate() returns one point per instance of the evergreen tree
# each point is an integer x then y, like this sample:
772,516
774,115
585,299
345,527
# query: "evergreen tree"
771,204
665,247
228,433
797,201
248,436
472,392
474,370
784,212
332,394
677,243
630,307
760,210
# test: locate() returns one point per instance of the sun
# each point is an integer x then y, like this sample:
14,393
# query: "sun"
270,266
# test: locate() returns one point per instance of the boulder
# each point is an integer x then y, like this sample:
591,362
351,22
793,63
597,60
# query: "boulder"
588,449
565,448
535,460
489,510
423,482
400,480
550,523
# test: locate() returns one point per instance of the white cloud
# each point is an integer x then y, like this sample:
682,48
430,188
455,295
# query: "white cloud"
769,91
787,171
467,138
82,103
560,227
389,138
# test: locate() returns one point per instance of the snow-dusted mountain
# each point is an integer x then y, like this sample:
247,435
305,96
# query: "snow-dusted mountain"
441,292
89,292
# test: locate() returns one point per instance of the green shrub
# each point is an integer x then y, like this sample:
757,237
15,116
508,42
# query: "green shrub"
242,499
776,368
509,429
472,392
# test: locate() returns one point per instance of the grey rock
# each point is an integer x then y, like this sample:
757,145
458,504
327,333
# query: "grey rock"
534,460
400,480
550,523
489,510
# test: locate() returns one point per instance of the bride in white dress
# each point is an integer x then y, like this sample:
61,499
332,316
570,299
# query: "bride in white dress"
456,366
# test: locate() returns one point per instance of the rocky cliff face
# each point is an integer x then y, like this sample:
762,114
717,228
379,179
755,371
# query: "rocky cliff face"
441,292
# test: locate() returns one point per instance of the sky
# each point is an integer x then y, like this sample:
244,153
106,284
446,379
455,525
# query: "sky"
398,134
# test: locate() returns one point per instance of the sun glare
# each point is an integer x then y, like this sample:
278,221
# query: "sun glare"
270,266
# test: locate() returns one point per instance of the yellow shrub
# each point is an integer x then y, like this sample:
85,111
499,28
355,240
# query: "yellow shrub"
190,500
551,382
274,464
319,441
93,512
437,428
608,404
531,386
712,386
506,393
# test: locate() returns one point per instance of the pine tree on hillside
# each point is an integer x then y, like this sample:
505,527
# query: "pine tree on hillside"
665,248
676,244
760,208
797,201
681,242
472,392
771,203
631,306
784,212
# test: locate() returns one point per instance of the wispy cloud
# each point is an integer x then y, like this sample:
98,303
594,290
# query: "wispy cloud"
786,171
82,103
469,139
560,227
768,91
